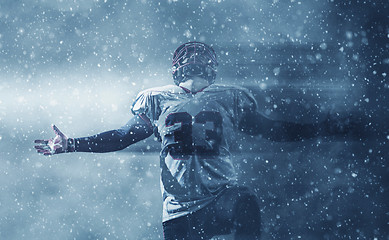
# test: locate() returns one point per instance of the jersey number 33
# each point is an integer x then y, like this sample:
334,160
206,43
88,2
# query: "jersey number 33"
200,134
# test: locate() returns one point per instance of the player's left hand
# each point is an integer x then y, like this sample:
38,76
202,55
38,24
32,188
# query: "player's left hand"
59,144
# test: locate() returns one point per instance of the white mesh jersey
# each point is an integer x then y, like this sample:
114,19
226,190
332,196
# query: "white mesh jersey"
196,131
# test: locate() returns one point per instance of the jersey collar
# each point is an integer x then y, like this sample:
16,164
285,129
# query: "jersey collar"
189,91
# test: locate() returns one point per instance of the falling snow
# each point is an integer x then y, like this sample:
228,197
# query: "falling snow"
79,64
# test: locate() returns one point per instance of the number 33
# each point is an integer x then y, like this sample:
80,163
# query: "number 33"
200,134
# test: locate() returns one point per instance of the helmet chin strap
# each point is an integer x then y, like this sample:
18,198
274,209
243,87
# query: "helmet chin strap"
194,84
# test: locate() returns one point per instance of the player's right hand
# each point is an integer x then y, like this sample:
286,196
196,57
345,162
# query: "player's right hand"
59,144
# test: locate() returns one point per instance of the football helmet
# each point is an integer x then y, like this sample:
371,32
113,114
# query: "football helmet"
194,59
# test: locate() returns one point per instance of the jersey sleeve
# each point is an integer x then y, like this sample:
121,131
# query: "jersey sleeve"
146,103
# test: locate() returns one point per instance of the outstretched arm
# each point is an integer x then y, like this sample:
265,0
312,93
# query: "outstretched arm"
255,123
135,130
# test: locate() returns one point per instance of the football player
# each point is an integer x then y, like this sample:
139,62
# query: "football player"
194,120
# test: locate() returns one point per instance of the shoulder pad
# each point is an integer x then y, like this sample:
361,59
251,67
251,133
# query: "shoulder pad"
163,89
147,101
223,87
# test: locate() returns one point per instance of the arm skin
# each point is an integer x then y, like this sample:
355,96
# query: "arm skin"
136,129
254,123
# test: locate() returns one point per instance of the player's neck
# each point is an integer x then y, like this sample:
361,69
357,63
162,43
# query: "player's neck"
194,84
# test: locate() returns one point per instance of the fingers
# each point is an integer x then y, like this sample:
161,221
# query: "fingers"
42,144
41,141
42,147
45,150
57,131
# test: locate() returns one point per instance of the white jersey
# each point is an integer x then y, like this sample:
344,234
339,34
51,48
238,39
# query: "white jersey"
197,131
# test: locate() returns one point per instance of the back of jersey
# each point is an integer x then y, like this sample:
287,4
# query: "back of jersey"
196,131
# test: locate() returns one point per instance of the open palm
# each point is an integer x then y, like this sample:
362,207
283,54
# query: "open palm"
56,145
